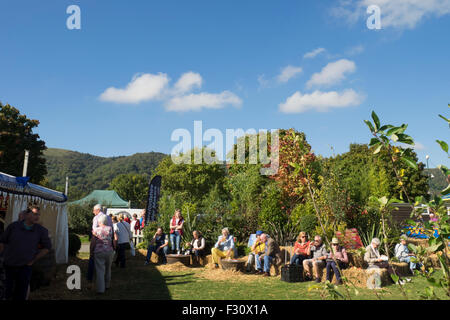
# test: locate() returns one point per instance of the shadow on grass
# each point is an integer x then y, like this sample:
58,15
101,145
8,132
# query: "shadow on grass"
135,282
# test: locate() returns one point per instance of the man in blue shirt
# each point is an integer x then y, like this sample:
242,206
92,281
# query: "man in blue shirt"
20,245
224,247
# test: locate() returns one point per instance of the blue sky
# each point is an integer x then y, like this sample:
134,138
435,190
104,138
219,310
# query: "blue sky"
137,70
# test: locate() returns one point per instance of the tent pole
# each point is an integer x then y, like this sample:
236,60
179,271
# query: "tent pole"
25,163
67,186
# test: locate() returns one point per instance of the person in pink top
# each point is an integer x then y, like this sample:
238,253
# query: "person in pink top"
339,255
103,253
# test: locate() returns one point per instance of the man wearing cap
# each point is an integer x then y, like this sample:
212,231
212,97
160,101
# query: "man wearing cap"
403,255
257,248
339,255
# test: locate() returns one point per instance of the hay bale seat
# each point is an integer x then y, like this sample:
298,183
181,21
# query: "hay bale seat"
401,269
234,265
359,276
203,261
175,258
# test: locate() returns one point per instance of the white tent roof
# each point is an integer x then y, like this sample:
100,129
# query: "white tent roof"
53,204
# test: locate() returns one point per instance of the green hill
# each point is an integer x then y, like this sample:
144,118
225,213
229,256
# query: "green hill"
88,172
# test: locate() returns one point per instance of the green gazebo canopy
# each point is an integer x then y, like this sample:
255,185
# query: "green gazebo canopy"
107,198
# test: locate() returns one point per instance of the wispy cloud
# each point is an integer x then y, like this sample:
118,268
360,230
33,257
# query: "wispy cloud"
332,73
288,73
401,14
149,87
196,102
314,53
353,51
263,82
320,101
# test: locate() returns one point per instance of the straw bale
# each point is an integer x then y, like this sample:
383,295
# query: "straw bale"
401,268
178,266
227,275
359,276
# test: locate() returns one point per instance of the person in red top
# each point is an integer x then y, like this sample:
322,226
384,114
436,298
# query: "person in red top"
302,249
176,231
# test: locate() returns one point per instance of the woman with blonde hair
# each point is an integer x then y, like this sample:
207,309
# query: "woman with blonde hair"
176,231
302,249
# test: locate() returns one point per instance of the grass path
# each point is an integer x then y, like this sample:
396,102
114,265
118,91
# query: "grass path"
156,282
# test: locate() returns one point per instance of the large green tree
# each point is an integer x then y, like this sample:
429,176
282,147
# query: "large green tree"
193,181
132,187
16,136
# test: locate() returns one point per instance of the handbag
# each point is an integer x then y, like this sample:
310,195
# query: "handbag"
133,250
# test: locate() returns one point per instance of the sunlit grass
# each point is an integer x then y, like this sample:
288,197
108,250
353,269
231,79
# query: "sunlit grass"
147,282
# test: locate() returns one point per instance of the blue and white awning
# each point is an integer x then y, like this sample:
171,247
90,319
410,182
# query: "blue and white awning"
20,185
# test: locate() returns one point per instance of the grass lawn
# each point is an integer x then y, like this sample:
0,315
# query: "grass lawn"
160,282
83,238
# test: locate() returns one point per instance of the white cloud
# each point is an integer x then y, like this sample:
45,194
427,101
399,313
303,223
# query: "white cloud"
320,101
187,82
143,87
148,87
288,73
419,146
332,73
195,102
313,53
401,14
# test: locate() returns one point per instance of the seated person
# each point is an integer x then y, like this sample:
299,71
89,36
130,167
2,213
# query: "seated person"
339,255
197,245
302,249
271,253
159,245
224,247
375,259
317,262
403,255
257,248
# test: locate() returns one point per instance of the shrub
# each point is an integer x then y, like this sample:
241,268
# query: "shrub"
74,244
142,245
305,215
80,218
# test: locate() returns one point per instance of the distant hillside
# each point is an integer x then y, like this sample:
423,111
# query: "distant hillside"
87,172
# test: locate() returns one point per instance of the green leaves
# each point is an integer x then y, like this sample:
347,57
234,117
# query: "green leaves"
446,191
369,124
376,121
410,162
395,278
443,144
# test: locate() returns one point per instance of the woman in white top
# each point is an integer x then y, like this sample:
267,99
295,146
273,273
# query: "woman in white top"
122,230
197,246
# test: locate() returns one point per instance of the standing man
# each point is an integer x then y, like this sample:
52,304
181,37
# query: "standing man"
97,211
20,245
